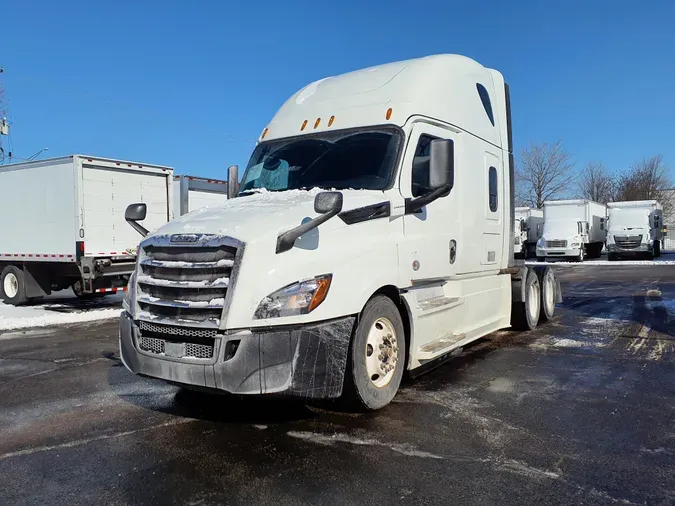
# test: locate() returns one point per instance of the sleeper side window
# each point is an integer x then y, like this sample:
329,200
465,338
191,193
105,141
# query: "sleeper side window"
492,189
485,99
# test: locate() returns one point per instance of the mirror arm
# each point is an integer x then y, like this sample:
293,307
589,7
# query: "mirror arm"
138,227
286,240
414,205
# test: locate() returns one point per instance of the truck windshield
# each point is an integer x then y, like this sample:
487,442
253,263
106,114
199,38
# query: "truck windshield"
347,159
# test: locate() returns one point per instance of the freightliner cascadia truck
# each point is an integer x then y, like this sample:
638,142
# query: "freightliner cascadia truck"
372,234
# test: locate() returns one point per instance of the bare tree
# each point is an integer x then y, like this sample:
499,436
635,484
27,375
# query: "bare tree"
596,183
544,172
646,180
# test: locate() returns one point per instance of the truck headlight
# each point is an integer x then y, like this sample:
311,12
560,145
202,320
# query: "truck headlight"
576,244
295,299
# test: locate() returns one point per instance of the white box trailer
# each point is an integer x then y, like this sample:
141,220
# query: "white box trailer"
634,227
193,192
341,262
572,228
63,223
527,229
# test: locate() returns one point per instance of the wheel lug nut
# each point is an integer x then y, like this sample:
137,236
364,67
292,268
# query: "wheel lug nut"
382,346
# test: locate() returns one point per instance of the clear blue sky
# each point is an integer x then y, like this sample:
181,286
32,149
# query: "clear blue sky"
192,84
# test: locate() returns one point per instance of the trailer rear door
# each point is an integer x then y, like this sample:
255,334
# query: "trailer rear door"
107,191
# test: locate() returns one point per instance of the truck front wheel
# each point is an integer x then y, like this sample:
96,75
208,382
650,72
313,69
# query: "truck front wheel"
376,357
13,286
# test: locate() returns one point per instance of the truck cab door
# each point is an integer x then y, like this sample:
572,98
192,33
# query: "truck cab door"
429,247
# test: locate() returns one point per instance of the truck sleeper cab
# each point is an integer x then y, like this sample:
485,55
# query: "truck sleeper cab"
371,234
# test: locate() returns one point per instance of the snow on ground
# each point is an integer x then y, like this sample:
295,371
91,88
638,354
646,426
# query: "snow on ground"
58,309
663,260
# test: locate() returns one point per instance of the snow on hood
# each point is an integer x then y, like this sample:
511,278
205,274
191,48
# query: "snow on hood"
248,217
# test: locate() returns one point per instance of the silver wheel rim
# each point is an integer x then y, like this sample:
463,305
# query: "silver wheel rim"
548,294
533,303
381,352
10,285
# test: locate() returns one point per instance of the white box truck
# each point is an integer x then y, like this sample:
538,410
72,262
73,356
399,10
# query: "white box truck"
634,228
572,229
527,229
63,223
372,234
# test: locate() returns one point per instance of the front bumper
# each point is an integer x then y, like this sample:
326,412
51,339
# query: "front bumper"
557,252
642,248
307,361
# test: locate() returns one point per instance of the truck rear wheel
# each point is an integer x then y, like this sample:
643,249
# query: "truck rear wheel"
657,248
13,286
525,315
547,283
376,356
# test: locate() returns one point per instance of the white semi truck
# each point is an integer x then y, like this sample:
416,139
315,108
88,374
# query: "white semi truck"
573,229
63,226
527,229
372,234
635,228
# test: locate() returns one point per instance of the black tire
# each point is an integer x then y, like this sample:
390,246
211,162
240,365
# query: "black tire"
14,276
525,315
548,287
581,256
541,259
360,391
657,248
612,257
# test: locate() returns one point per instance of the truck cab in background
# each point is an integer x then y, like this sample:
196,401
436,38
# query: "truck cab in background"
372,234
573,229
635,228
527,229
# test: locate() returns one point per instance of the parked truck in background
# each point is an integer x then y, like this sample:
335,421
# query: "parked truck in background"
63,224
573,229
372,234
634,228
193,192
527,229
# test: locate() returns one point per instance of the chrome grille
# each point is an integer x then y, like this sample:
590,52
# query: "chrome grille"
186,282
556,244
152,345
190,350
198,351
628,242
171,330
183,342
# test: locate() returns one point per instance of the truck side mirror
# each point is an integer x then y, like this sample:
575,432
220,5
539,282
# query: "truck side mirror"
326,202
441,164
522,226
134,214
441,175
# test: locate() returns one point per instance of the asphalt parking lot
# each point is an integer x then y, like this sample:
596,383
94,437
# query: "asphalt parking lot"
580,411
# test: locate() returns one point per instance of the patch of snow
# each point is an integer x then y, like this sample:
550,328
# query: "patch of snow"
145,278
213,303
12,318
224,263
329,440
618,263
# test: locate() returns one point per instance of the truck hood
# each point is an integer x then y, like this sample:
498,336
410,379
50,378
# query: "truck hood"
252,216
